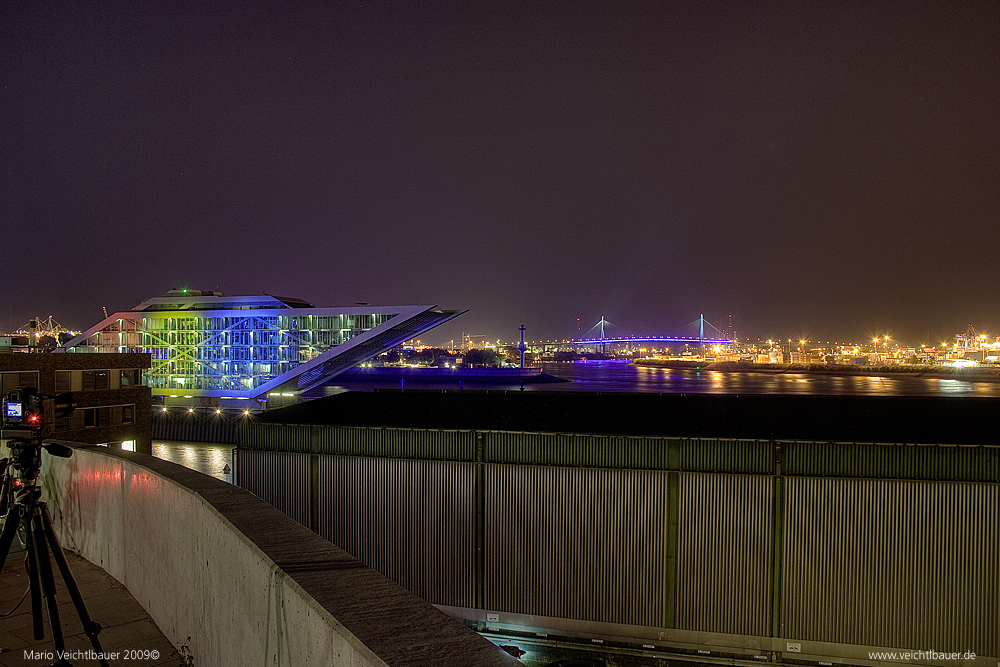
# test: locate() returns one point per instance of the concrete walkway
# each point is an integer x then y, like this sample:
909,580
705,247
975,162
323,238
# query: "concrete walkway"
126,625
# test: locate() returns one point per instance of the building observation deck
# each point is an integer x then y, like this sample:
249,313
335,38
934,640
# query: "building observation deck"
208,344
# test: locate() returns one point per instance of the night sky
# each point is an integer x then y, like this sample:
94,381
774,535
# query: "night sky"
823,170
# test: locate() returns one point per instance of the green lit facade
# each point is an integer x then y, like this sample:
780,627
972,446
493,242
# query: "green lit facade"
207,344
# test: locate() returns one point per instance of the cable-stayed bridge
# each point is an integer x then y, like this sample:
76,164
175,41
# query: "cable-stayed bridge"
652,339
715,336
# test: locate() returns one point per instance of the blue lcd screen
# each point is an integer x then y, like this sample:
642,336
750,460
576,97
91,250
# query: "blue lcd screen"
13,409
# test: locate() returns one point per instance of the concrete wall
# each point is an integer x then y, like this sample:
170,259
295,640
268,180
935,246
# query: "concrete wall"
247,584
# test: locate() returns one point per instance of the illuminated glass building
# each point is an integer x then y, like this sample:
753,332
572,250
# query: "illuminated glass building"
211,345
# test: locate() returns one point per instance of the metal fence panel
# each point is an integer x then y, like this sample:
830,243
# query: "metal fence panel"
400,443
579,543
411,520
274,437
724,553
722,455
572,449
892,461
906,564
279,478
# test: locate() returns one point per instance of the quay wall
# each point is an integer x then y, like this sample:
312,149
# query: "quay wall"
237,581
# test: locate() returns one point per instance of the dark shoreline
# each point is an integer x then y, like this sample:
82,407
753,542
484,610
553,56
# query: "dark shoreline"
974,374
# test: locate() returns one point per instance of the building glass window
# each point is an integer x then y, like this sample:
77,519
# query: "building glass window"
64,380
12,381
95,380
131,377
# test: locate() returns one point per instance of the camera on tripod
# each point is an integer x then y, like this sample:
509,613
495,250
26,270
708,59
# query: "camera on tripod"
29,418
32,416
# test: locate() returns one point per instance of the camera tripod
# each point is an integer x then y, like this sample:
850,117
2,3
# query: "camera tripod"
28,512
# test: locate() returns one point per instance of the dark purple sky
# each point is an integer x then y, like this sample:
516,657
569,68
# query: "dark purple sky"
827,170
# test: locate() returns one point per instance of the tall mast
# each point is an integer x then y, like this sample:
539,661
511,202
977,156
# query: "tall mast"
521,346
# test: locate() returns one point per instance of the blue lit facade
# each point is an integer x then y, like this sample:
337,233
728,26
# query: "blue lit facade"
208,344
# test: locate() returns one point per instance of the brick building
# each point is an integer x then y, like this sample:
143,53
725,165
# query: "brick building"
112,405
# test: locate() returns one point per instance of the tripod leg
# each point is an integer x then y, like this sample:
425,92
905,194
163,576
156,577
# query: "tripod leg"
90,626
45,578
10,524
33,587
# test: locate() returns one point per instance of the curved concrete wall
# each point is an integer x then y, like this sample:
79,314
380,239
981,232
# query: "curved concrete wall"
246,583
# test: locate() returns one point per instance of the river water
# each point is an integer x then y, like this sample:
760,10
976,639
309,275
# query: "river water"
617,376
210,458
610,376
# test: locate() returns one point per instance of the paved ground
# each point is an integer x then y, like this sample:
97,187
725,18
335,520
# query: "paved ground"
126,625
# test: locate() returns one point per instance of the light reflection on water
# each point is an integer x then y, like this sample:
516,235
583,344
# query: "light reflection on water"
612,376
608,376
208,457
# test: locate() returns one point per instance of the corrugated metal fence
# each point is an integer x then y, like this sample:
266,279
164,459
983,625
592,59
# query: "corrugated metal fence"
847,543
411,520
280,478
576,542
725,553
900,562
